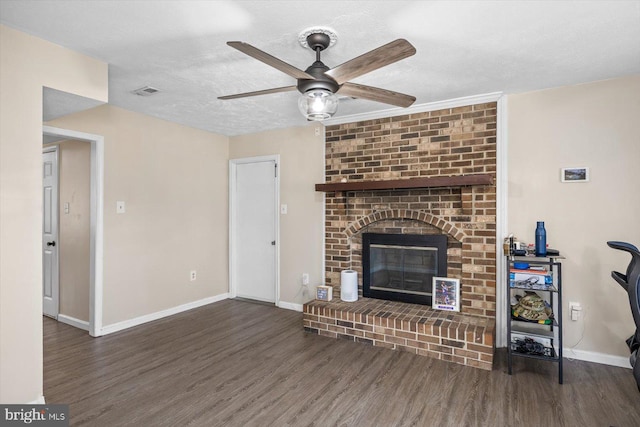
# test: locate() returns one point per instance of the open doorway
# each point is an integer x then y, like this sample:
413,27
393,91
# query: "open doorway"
66,230
91,147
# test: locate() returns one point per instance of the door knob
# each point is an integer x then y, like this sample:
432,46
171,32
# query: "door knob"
51,243
273,243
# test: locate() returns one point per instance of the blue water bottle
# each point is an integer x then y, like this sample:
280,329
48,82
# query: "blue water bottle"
541,239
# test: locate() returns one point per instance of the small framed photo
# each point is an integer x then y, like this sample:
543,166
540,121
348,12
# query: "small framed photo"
574,174
446,294
324,293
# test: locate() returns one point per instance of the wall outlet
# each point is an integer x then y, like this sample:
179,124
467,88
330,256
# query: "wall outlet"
193,275
305,278
575,309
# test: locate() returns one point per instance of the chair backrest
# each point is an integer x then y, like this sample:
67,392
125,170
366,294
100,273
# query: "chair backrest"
634,298
626,247
632,279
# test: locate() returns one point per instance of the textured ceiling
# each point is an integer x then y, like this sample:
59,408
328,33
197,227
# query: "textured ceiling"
463,48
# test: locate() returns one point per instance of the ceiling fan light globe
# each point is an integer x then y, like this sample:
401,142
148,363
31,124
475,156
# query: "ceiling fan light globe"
318,104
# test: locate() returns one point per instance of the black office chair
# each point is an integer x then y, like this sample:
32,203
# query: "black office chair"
631,283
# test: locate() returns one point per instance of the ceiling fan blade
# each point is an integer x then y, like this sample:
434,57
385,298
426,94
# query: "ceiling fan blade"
270,60
376,94
372,60
260,92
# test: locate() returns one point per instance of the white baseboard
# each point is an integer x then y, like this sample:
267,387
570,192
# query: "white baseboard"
290,306
115,327
592,356
80,324
38,401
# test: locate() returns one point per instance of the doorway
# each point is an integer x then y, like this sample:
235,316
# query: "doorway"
254,228
96,213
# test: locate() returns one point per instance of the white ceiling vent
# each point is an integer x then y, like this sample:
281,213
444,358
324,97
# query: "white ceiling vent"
145,91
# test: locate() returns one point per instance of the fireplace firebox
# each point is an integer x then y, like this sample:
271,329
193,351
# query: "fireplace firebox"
400,267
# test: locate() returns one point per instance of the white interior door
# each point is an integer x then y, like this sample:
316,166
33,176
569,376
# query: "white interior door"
255,230
50,285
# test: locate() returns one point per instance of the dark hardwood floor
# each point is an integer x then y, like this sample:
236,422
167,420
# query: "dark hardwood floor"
235,363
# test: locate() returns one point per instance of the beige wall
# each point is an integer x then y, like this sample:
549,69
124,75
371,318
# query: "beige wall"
301,229
26,65
593,125
74,166
173,180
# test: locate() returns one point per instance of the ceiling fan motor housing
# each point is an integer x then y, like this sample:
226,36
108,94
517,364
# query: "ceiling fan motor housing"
322,81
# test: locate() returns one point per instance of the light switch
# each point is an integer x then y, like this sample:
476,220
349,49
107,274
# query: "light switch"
66,207
283,209
120,207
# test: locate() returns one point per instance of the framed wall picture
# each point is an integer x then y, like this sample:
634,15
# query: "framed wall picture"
446,294
574,174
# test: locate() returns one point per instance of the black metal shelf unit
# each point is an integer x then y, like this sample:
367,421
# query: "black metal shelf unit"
551,332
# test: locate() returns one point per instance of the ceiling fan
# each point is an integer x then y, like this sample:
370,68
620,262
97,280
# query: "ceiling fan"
319,84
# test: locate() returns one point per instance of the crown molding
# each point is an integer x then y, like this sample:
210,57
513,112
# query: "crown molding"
420,108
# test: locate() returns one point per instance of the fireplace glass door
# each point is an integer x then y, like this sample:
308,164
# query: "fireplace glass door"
401,267
407,269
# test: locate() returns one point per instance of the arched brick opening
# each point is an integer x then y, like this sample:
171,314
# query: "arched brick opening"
402,221
404,214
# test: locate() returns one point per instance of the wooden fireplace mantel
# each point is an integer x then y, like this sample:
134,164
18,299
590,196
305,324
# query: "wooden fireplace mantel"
402,184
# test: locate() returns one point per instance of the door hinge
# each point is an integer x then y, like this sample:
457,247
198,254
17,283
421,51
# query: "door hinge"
276,170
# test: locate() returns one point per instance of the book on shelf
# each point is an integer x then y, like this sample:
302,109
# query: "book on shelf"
542,277
539,271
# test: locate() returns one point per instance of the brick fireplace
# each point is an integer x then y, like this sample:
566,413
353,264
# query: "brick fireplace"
450,142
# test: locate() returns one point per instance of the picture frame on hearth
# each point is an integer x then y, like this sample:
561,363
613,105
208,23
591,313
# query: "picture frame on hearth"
446,294
324,293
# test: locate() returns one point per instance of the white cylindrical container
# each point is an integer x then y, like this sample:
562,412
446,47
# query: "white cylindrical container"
349,285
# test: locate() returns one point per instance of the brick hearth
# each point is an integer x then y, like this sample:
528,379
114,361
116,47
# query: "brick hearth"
418,329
